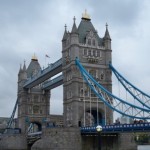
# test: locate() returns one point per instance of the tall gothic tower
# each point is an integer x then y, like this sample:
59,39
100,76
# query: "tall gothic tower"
33,104
81,106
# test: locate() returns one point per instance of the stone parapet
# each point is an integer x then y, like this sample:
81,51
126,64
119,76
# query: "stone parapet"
13,142
59,138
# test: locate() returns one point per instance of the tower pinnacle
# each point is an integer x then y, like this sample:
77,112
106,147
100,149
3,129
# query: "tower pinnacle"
34,57
107,36
86,16
74,28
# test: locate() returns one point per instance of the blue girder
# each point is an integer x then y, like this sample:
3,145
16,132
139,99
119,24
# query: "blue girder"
123,81
93,84
12,115
140,127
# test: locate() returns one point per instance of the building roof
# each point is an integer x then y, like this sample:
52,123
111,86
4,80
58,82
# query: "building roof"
86,26
33,67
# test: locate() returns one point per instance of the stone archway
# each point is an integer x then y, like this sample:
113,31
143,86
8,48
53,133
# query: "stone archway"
35,127
91,118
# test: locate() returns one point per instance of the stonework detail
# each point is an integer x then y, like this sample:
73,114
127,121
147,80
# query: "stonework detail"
84,43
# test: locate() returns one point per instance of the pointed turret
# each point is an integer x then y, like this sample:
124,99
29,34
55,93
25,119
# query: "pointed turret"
107,39
34,67
85,27
86,16
74,33
22,75
24,66
74,28
20,70
107,36
65,33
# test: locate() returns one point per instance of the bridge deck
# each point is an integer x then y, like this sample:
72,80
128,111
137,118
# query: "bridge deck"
141,127
45,74
53,83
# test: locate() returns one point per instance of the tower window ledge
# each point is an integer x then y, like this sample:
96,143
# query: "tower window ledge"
92,60
101,47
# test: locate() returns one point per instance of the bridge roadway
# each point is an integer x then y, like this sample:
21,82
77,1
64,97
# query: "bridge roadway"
43,75
53,83
139,127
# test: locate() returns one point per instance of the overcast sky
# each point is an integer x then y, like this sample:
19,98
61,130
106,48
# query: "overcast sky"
37,26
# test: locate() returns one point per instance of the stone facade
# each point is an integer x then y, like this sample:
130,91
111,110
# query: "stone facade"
34,103
94,53
59,138
13,142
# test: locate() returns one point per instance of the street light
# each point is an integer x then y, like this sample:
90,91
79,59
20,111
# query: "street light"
99,130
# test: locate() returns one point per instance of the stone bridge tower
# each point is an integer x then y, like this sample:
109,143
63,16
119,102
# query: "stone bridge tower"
81,106
33,104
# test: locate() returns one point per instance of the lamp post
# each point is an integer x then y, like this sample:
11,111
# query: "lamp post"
99,130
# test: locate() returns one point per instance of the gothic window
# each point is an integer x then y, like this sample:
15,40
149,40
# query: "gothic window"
28,99
69,94
93,42
94,53
81,92
36,98
35,109
102,76
42,99
98,53
30,110
86,93
85,52
41,111
89,41
89,52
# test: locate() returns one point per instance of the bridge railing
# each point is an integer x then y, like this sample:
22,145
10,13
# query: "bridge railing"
118,128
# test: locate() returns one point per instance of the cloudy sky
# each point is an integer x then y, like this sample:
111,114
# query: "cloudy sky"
37,26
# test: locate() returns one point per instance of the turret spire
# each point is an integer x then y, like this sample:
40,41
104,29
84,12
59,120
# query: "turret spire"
24,66
34,57
107,36
65,33
20,70
86,16
74,28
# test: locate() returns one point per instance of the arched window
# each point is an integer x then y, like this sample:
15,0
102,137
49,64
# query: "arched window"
102,76
85,52
89,52
89,41
93,42
35,109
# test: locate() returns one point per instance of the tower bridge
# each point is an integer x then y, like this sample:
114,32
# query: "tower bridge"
87,99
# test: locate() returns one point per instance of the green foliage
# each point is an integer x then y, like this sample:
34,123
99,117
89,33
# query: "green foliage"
141,138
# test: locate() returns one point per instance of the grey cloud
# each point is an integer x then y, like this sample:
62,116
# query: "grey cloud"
37,26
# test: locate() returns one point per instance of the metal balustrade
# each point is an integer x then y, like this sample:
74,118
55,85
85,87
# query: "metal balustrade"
117,128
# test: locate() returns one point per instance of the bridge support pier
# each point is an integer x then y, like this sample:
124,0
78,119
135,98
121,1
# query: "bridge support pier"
59,138
13,142
126,141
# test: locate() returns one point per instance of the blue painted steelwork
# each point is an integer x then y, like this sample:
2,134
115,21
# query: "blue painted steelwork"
12,115
44,74
141,127
104,94
139,95
53,83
